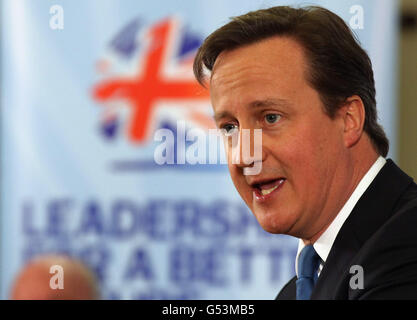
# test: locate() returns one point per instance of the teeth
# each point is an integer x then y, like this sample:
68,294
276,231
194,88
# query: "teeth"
268,191
264,192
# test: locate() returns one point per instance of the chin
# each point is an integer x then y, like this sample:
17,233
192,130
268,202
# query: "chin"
272,227
275,223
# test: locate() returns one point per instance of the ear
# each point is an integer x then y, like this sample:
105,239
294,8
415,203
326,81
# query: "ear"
353,114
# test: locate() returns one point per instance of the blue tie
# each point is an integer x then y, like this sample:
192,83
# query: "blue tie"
308,263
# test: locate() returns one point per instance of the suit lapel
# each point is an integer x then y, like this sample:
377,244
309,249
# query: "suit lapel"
371,211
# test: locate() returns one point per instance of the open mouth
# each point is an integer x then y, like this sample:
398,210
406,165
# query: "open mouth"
265,189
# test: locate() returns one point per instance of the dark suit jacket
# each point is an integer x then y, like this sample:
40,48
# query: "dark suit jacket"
380,235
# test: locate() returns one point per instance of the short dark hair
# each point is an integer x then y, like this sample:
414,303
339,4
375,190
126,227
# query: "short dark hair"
337,65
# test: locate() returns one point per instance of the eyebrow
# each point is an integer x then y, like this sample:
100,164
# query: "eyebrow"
257,104
270,102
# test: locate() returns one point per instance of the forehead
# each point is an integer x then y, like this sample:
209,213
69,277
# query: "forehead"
277,64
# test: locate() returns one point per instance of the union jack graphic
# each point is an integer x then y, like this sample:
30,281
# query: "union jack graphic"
163,73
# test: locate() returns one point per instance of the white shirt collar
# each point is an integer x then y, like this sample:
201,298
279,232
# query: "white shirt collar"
325,242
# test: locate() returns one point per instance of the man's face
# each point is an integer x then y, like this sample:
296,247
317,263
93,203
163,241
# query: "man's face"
263,86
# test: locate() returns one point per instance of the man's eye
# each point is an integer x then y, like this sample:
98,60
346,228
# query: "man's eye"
272,118
229,129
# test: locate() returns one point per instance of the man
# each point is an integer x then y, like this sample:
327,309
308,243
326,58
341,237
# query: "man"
34,280
300,76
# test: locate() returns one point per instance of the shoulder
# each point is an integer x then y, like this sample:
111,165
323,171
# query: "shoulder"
288,292
389,258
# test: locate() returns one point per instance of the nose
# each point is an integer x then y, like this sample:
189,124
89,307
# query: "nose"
247,151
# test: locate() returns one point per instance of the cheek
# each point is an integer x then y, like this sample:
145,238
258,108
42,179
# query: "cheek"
237,178
234,174
309,159
240,184
298,150
302,158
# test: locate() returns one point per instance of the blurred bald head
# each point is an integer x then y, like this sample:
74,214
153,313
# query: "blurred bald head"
33,281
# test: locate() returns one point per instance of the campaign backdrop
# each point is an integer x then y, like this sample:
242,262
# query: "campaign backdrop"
85,85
